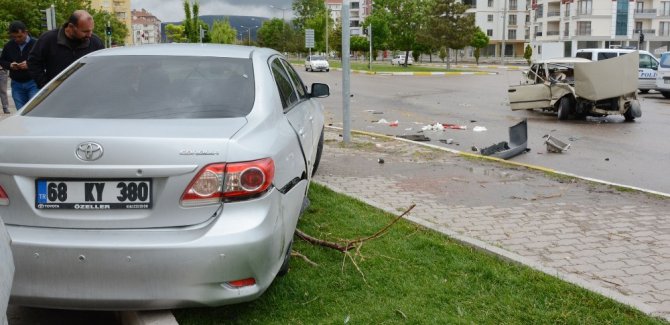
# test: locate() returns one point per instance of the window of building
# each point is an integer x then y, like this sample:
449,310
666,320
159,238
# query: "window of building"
585,7
622,17
566,29
512,5
489,18
527,19
512,20
490,3
638,27
639,6
665,8
584,28
566,8
489,32
664,28
511,34
355,5
539,13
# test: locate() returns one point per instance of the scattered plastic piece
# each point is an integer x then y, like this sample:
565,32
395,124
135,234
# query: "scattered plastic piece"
383,121
479,128
433,127
395,123
518,143
555,145
414,137
408,129
454,126
380,160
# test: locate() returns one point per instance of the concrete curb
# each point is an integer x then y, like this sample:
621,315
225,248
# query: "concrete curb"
152,317
421,73
485,247
507,162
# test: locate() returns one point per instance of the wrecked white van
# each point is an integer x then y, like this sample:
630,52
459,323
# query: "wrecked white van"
577,87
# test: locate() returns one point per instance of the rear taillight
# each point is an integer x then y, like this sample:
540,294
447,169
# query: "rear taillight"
4,198
229,181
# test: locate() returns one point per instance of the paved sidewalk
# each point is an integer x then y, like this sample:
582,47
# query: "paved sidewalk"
612,241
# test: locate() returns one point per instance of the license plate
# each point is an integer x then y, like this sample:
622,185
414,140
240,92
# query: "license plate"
93,194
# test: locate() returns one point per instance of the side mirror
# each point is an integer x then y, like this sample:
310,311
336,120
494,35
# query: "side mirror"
319,90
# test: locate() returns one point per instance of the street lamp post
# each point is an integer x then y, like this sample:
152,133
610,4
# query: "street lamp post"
249,33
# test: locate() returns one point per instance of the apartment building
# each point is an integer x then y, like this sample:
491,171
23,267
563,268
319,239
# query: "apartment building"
146,27
358,11
120,9
602,24
504,22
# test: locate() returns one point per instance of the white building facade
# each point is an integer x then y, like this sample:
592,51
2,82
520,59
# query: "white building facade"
146,28
602,24
358,11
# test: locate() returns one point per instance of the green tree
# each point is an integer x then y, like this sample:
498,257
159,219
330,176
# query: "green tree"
528,53
192,24
28,11
381,35
359,43
222,32
405,20
175,33
450,26
274,33
479,40
119,29
443,53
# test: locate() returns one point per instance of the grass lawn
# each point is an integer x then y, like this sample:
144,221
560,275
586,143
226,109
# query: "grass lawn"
410,275
386,67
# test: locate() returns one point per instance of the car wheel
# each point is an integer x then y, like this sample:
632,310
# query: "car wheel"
644,91
283,270
327,70
666,94
564,108
319,150
628,115
306,69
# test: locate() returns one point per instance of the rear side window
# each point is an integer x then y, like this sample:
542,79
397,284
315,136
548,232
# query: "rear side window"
665,60
286,91
584,55
607,55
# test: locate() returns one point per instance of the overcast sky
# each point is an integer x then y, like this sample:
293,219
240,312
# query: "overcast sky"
173,10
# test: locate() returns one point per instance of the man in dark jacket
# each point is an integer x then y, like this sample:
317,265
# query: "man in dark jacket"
13,58
57,49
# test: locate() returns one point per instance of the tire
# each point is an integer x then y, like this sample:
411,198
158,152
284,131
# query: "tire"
628,115
283,269
666,94
327,70
564,108
319,151
644,91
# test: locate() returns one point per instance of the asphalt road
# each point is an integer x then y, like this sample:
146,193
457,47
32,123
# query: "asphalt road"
629,153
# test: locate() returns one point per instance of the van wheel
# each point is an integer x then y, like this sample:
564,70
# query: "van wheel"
666,94
564,108
644,91
628,115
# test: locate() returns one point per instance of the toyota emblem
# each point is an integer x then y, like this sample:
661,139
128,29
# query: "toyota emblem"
89,151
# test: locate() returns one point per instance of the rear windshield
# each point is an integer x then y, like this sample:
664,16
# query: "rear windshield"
665,60
156,87
584,55
318,58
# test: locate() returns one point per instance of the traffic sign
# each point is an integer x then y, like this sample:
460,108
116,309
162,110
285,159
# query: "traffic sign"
309,38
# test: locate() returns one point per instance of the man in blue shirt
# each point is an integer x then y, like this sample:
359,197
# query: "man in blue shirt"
14,58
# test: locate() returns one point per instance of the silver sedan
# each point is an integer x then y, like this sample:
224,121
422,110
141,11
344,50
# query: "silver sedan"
156,177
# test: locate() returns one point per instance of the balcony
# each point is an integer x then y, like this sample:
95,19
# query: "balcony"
553,13
645,13
553,33
645,31
582,32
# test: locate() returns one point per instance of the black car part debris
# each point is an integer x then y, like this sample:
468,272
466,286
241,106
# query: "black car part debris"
518,141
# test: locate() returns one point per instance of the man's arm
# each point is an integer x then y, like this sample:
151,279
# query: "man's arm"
36,63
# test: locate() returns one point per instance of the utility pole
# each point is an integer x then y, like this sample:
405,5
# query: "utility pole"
504,29
327,19
370,36
346,73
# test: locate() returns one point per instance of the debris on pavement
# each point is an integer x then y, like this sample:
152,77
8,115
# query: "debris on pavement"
433,127
383,121
479,128
394,123
555,145
474,148
380,160
454,126
408,129
414,137
518,143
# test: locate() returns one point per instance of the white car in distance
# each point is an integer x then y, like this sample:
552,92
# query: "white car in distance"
316,63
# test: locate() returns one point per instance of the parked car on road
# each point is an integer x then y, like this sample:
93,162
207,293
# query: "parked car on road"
316,63
579,87
663,78
400,60
155,177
